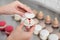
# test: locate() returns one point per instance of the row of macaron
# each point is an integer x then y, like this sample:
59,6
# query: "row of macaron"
6,28
47,19
46,33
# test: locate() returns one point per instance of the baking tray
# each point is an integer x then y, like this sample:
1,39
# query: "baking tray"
10,21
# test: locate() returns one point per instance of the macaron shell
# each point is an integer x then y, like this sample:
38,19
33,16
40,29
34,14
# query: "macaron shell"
44,32
38,27
53,37
2,23
43,38
9,28
29,15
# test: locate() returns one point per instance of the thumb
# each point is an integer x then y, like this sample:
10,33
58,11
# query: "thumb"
32,29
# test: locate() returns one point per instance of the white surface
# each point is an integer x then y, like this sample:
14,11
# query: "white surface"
50,4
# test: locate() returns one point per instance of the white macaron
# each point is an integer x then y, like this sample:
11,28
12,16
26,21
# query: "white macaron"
44,34
38,28
53,37
29,15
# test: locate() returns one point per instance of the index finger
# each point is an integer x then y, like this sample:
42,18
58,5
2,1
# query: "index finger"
25,7
21,25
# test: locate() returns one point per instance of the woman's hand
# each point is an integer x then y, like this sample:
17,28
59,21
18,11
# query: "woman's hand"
19,34
15,7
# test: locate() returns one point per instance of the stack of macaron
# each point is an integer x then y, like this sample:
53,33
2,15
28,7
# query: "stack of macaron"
5,28
29,21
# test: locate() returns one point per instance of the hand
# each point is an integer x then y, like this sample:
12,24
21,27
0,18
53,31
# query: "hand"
15,7
19,34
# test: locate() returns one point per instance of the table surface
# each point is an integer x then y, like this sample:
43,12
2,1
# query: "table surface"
12,22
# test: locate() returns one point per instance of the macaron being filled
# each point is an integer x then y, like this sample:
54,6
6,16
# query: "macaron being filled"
44,34
53,37
29,22
38,28
2,25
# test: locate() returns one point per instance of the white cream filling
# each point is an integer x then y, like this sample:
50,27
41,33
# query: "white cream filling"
2,26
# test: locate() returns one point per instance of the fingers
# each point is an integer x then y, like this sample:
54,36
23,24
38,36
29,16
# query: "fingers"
21,25
19,12
25,7
32,29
